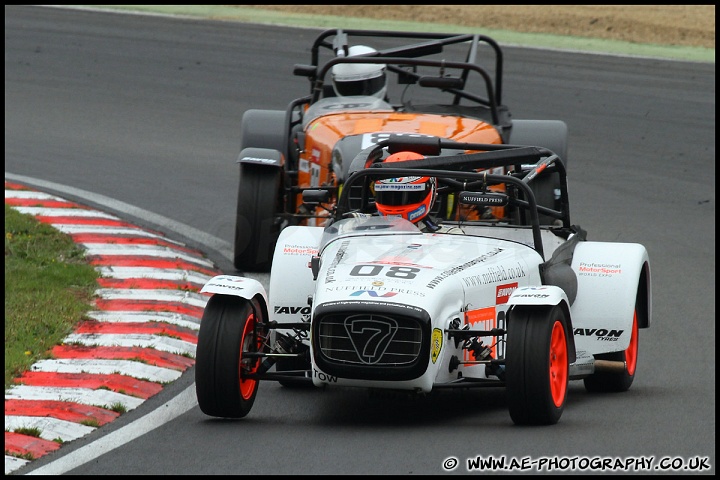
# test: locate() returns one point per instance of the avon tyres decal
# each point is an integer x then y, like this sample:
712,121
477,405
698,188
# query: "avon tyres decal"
304,311
292,310
601,334
221,281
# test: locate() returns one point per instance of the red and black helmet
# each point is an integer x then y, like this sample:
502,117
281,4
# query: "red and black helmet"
408,197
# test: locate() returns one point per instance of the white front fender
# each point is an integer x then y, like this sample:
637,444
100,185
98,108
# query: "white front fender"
238,286
539,295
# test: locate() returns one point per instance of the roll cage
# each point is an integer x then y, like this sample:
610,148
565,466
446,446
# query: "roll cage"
464,176
400,60
440,62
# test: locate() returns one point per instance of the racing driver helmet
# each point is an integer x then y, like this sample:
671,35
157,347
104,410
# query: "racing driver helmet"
359,78
408,197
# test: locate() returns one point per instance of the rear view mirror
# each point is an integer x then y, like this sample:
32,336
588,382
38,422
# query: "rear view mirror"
441,82
315,196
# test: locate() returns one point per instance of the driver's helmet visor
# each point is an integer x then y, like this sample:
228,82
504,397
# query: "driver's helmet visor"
398,191
369,86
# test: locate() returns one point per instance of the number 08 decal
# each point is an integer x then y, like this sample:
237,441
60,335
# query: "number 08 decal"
392,272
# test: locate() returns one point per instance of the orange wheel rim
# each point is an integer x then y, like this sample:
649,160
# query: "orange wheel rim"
558,364
631,353
247,386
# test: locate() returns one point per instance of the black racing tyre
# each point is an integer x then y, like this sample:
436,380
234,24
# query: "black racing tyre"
258,191
545,187
601,382
263,129
537,364
227,332
257,225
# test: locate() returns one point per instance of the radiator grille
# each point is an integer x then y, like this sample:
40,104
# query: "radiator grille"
370,339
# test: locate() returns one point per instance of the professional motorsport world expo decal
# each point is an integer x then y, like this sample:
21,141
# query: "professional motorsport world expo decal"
140,334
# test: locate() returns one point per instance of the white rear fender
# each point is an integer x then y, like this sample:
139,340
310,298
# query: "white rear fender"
608,277
238,286
291,278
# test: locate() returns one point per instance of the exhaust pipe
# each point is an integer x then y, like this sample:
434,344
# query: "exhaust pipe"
610,366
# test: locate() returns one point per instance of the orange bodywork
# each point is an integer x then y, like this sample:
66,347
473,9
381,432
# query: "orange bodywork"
324,132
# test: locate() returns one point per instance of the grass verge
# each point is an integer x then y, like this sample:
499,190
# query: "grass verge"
49,286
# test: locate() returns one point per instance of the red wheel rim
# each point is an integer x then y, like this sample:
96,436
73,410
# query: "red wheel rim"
631,353
558,364
247,386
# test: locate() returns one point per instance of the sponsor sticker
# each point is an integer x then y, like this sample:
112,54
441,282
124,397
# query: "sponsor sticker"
417,213
372,293
437,342
481,319
304,165
299,250
503,292
401,184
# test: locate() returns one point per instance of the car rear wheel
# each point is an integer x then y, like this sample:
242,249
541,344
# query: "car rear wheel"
546,189
617,381
257,225
228,331
263,129
551,134
537,365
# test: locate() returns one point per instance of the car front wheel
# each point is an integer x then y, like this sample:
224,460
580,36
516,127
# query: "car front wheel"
230,329
537,364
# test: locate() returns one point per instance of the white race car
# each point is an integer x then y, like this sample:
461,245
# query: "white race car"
477,293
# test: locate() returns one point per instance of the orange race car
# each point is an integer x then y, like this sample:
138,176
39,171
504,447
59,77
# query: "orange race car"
367,86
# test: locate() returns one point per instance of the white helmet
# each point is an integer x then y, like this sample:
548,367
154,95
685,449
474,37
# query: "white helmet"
359,78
